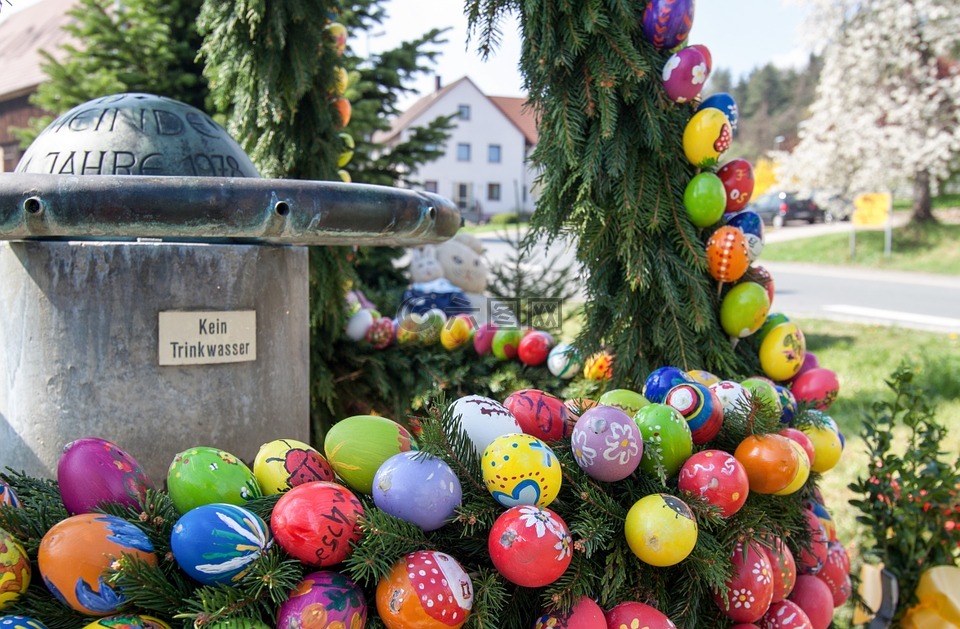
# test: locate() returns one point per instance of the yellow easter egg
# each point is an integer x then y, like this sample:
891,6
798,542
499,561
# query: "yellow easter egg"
827,445
703,377
803,472
457,332
14,570
598,367
782,351
520,469
285,463
706,137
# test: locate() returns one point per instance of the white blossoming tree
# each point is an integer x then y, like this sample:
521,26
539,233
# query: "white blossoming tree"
887,111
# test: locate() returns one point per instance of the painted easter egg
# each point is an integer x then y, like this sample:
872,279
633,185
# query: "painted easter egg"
219,543
483,420
381,333
773,320
626,400
817,387
540,414
750,223
813,596
530,546
810,361
661,380
14,569
75,554
743,309
20,622
93,471
285,463
717,477
426,590
782,350
506,342
803,471
324,599
564,361
785,615
764,391
128,622
784,567
357,446
707,137
598,367
727,254
803,440
770,460
338,33
700,407
418,488
738,183
813,556
534,348
667,23
8,496
607,443
747,595
204,475
834,572
483,338
704,199
725,103
703,377
632,614
826,444
762,276
660,529
733,397
520,469
457,332
585,614
684,74
317,523
706,55
666,437
824,516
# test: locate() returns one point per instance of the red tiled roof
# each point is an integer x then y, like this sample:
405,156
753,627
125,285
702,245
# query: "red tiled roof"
22,35
520,114
403,120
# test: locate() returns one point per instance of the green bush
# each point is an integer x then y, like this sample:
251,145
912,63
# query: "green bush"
507,218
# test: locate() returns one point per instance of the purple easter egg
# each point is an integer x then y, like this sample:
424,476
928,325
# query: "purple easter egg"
417,488
661,380
809,362
326,597
700,407
92,471
684,75
607,443
667,23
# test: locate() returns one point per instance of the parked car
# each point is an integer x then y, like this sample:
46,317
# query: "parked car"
777,208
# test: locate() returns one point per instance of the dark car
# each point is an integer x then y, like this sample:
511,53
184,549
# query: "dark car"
777,208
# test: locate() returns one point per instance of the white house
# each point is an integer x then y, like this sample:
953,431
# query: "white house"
484,169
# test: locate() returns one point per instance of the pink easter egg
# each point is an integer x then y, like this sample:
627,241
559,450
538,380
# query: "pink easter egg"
93,471
684,75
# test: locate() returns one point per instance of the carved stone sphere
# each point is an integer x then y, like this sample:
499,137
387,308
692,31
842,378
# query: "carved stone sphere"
136,134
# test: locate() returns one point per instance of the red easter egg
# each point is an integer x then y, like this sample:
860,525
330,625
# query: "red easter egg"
530,546
817,386
744,625
727,257
762,277
843,595
813,596
534,348
770,461
317,522
540,414
94,471
633,614
813,556
483,338
738,180
835,571
784,568
801,437
749,592
718,477
586,614
785,615
425,590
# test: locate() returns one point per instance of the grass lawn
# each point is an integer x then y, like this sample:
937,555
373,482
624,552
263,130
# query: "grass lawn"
490,228
930,249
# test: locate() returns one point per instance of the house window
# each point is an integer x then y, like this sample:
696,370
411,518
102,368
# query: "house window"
430,186
9,157
463,112
493,153
463,152
463,195
493,192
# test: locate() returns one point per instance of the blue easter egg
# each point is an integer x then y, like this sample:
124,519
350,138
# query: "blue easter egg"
667,23
725,103
20,622
417,488
661,380
788,404
8,496
700,407
219,542
747,221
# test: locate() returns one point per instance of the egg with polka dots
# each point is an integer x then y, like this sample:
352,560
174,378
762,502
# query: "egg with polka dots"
425,590
520,469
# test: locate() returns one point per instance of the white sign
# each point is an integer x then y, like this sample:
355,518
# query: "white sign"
207,337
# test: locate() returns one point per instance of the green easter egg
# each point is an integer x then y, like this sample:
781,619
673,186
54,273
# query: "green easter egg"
626,400
705,199
506,341
203,475
666,439
766,391
744,309
357,446
773,320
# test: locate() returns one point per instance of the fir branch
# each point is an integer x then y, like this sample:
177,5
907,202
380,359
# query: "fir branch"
41,508
385,539
490,596
159,588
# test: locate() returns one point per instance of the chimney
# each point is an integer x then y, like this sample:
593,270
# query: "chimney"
438,83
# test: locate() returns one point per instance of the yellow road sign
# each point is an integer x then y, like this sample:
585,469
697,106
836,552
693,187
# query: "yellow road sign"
872,209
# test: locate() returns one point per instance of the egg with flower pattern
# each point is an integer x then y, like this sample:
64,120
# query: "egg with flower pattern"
607,444
530,546
324,599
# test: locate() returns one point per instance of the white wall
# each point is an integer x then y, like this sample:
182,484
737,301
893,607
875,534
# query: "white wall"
487,125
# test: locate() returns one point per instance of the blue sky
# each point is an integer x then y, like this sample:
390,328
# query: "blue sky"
741,35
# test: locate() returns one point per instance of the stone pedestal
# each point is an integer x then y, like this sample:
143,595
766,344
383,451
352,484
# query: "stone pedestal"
80,352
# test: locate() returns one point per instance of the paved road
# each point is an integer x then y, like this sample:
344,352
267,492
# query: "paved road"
916,301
